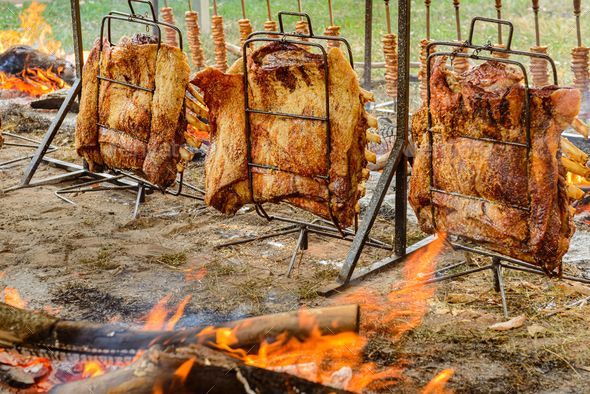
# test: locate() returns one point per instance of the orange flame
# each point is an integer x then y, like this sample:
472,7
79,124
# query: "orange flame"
33,81
157,318
33,31
577,180
337,360
12,297
182,372
191,275
437,385
92,369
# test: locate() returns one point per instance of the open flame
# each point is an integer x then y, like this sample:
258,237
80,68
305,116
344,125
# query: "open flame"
33,31
437,385
157,318
577,180
338,360
33,81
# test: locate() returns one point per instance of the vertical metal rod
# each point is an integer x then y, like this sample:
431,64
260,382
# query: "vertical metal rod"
427,4
499,283
298,247
499,16
155,30
368,43
77,31
577,12
387,17
537,32
215,7
269,12
456,3
331,13
243,10
403,113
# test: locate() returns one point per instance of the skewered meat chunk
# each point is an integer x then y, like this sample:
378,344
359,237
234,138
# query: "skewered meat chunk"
286,78
139,130
488,102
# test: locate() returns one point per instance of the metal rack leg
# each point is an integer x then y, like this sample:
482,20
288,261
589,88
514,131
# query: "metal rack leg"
302,243
140,198
499,283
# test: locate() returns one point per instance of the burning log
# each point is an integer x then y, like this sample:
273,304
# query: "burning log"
37,330
194,369
18,58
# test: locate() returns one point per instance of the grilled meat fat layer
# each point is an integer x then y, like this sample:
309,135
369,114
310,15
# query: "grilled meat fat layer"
286,78
527,213
142,129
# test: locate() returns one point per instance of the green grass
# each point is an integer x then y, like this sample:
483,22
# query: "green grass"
557,21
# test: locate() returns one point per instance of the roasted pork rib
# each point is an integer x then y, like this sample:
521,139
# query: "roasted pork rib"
139,130
520,206
286,78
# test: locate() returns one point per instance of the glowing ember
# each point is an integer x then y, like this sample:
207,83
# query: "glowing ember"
33,81
437,385
12,297
34,31
92,369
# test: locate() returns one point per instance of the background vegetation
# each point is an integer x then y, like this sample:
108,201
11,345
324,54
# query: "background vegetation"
556,19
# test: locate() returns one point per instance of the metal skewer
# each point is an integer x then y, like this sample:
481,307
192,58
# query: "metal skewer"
460,64
427,4
538,66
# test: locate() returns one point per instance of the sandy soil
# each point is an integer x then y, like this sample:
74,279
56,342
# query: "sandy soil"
92,261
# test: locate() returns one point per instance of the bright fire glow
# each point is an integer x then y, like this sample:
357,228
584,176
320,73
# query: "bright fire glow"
577,180
157,318
328,358
92,369
33,81
437,385
185,368
34,31
12,297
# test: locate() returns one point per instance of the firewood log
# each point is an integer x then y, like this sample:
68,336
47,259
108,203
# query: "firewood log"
573,152
575,168
194,369
21,327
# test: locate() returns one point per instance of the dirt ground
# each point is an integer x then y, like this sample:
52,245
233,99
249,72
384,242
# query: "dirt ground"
92,261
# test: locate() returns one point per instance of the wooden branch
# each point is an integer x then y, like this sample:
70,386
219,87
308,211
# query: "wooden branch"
580,127
575,168
192,119
573,152
195,106
195,369
21,327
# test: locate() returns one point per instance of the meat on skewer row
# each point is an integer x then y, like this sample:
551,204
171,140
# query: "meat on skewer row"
332,30
538,65
245,25
580,60
194,37
218,39
168,16
390,54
